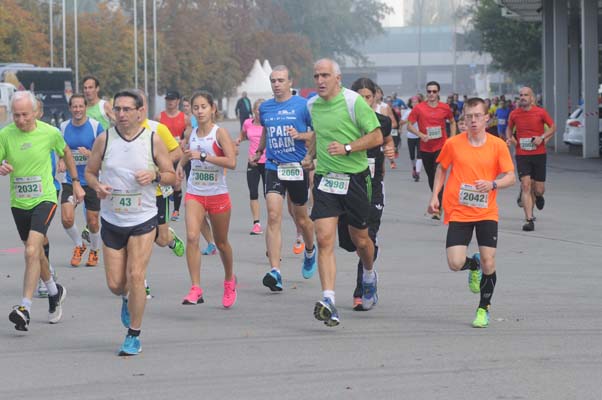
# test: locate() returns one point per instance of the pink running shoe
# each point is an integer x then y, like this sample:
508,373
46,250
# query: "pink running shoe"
229,293
256,229
195,296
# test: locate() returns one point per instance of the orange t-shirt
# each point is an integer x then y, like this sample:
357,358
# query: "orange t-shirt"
528,125
176,125
469,164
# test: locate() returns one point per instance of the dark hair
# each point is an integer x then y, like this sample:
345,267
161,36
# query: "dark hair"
475,101
77,96
207,96
434,83
132,93
364,83
88,77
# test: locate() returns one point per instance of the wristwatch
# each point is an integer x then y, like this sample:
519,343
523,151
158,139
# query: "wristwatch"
493,185
348,149
75,179
157,177
203,156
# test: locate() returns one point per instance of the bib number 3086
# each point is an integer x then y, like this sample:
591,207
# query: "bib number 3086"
334,183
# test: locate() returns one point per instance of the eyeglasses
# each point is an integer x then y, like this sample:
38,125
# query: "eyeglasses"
432,91
470,117
126,110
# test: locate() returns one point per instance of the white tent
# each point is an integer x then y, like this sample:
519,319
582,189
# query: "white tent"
267,67
256,84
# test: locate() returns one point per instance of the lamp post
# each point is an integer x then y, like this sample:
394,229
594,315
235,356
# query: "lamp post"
50,22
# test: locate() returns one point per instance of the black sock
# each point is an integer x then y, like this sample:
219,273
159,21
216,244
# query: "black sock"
177,200
487,286
47,251
133,332
470,264
255,221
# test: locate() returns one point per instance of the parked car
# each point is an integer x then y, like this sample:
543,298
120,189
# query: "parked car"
575,128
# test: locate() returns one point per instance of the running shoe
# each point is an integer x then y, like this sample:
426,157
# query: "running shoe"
482,318
299,246
194,296
540,202
147,290
529,225
55,304
86,234
309,265
20,317
125,313
229,297
78,253
178,247
519,199
417,177
369,293
256,229
357,304
436,215
210,250
131,346
474,276
326,312
273,281
42,291
175,216
92,259
393,165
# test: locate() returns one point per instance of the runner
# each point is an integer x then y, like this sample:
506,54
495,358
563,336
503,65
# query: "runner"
413,140
480,164
534,128
345,127
97,108
133,160
502,113
210,151
381,107
25,147
79,133
251,131
376,162
286,126
431,117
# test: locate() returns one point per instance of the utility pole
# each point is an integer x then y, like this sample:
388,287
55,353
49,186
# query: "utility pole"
51,23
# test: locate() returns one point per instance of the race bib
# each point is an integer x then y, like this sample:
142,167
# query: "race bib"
334,183
372,166
28,187
469,196
166,190
394,132
501,121
434,132
527,144
79,158
290,172
125,201
204,176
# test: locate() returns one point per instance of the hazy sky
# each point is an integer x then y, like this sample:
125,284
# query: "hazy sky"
396,17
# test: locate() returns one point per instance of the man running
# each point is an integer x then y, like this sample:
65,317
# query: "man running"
133,160
480,164
79,133
534,128
97,108
286,126
431,116
345,127
25,147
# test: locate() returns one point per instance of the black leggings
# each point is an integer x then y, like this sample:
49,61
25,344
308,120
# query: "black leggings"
429,161
414,148
254,173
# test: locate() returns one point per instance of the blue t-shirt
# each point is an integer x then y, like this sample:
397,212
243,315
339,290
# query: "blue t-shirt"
80,136
276,117
502,119
57,185
193,122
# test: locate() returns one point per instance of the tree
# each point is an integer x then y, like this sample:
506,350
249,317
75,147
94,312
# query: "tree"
21,39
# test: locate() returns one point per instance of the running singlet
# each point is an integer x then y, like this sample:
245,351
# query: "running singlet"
80,136
528,125
176,125
31,181
501,114
276,117
129,204
431,122
461,201
206,179
253,133
334,121
97,111
376,156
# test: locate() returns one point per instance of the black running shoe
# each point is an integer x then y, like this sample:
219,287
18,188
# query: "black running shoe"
529,226
540,202
55,304
519,199
20,317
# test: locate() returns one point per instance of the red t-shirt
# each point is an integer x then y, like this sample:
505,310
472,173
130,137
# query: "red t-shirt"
431,121
176,125
529,124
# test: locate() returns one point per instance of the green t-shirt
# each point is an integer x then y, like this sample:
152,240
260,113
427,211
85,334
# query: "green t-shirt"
31,181
98,114
333,121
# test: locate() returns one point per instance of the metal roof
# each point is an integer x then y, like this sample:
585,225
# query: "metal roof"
526,10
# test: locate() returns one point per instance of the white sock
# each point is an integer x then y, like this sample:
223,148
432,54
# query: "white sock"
369,275
95,240
51,286
274,269
329,294
418,165
25,302
311,252
74,234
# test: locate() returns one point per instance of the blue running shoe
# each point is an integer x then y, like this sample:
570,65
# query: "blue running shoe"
474,276
326,312
210,250
309,265
131,346
125,313
273,280
369,293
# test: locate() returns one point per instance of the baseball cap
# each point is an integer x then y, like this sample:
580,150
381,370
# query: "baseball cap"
172,95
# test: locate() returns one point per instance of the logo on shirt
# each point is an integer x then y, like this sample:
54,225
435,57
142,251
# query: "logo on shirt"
286,112
25,146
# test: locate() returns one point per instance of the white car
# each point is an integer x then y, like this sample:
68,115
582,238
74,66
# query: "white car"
575,128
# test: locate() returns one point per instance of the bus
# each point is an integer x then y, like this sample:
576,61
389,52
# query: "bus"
54,86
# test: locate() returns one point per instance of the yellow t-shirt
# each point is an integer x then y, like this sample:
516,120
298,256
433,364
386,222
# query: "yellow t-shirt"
164,134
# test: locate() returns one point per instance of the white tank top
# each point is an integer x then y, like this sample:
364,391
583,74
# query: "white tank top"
130,204
206,179
380,107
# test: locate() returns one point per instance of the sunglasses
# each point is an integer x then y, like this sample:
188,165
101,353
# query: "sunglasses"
432,91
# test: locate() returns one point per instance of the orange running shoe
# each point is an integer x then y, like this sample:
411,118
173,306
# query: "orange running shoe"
92,259
78,252
299,246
